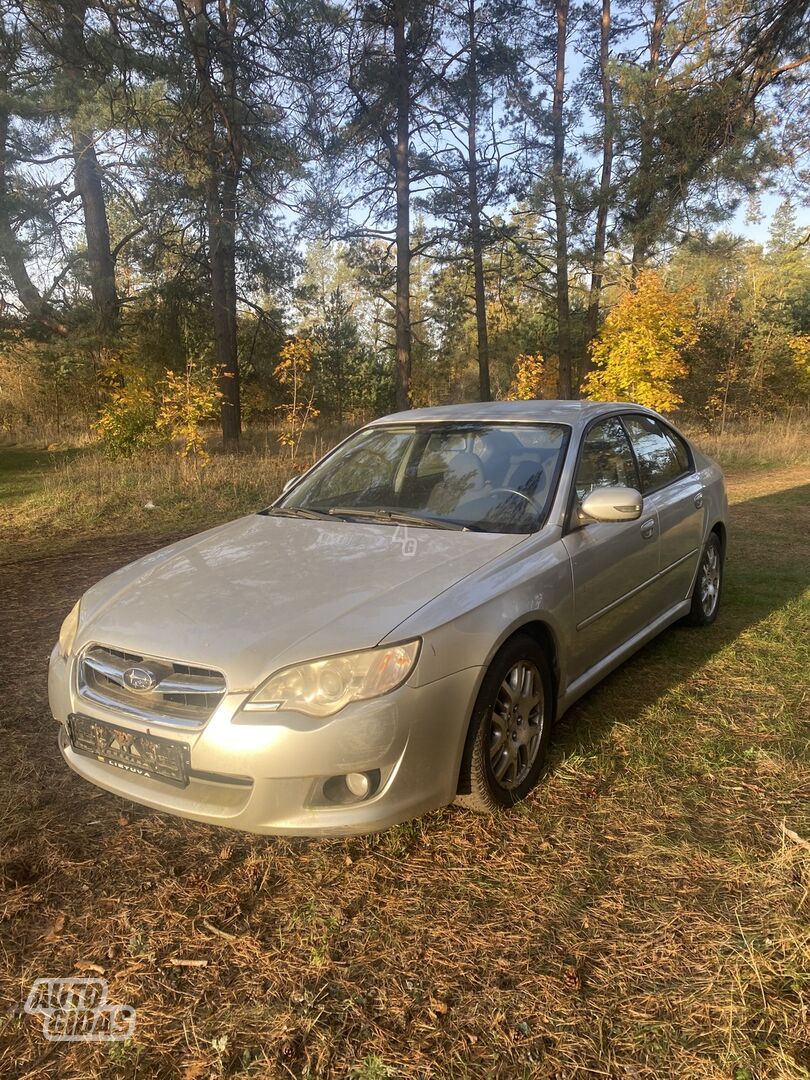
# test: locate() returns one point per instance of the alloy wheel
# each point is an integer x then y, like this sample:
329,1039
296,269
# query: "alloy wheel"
516,725
710,580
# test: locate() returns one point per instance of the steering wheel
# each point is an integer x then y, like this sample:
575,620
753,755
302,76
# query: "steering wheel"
511,491
492,492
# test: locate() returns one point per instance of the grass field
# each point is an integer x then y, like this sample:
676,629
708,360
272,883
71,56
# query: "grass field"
643,915
52,500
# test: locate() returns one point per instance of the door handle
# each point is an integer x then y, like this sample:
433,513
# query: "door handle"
648,528
699,499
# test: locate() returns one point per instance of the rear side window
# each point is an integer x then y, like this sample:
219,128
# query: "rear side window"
662,456
606,459
681,452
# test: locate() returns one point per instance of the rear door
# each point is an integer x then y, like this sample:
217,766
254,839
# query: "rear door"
670,485
612,563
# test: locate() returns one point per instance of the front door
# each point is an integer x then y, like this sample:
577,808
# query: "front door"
669,484
612,563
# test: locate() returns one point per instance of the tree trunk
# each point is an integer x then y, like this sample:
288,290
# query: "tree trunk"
229,384
484,392
87,179
402,374
560,206
223,166
600,233
643,207
11,251
221,260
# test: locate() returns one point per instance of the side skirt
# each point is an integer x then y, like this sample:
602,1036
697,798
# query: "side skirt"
596,673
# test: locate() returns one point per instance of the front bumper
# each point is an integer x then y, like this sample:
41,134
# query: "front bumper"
267,776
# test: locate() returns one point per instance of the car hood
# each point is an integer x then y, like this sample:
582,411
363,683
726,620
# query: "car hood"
262,592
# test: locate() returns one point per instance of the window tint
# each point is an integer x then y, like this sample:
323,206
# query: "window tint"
662,457
606,460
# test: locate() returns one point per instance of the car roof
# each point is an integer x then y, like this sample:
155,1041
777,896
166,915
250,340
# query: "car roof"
574,413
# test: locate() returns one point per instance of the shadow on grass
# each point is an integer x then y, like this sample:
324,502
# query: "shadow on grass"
23,468
766,568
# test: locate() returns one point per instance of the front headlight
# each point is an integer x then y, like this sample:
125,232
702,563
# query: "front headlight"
324,687
67,635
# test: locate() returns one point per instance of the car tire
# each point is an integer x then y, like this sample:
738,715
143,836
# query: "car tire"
708,583
509,728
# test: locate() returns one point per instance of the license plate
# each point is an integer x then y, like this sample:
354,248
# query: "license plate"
131,751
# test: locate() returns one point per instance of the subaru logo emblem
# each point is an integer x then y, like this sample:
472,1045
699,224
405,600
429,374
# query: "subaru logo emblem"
140,679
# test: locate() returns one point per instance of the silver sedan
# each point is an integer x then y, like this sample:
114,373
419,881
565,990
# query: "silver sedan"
400,629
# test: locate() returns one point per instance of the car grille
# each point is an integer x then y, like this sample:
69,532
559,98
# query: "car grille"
182,695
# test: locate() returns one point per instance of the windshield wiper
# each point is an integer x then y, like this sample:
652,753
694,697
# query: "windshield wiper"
394,517
295,511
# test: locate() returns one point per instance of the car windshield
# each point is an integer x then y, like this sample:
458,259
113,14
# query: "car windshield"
473,476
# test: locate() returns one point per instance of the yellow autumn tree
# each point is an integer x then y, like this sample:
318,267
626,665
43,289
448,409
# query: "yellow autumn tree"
638,355
535,378
800,350
188,401
294,373
126,420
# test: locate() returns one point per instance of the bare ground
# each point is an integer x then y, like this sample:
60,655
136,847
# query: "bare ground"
644,915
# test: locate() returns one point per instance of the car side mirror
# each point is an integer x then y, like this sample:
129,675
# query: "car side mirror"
289,483
611,504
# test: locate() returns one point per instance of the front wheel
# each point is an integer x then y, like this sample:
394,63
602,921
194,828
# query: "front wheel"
509,728
706,594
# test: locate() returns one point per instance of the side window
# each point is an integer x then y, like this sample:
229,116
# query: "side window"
660,459
606,459
681,452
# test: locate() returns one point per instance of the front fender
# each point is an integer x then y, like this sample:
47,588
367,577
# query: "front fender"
465,626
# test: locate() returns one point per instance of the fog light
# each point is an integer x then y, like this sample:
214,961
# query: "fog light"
359,784
351,788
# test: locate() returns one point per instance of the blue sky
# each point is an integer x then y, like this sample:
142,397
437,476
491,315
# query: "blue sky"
757,230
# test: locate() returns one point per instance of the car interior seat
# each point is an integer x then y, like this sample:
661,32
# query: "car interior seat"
463,477
497,451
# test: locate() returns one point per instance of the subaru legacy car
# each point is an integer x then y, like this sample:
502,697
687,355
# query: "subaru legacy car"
400,629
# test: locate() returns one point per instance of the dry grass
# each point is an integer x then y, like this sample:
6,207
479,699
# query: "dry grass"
83,495
644,916
756,445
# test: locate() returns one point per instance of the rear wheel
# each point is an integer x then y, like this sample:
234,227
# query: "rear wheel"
509,728
706,594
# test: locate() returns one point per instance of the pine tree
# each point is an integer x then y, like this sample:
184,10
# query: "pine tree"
387,78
